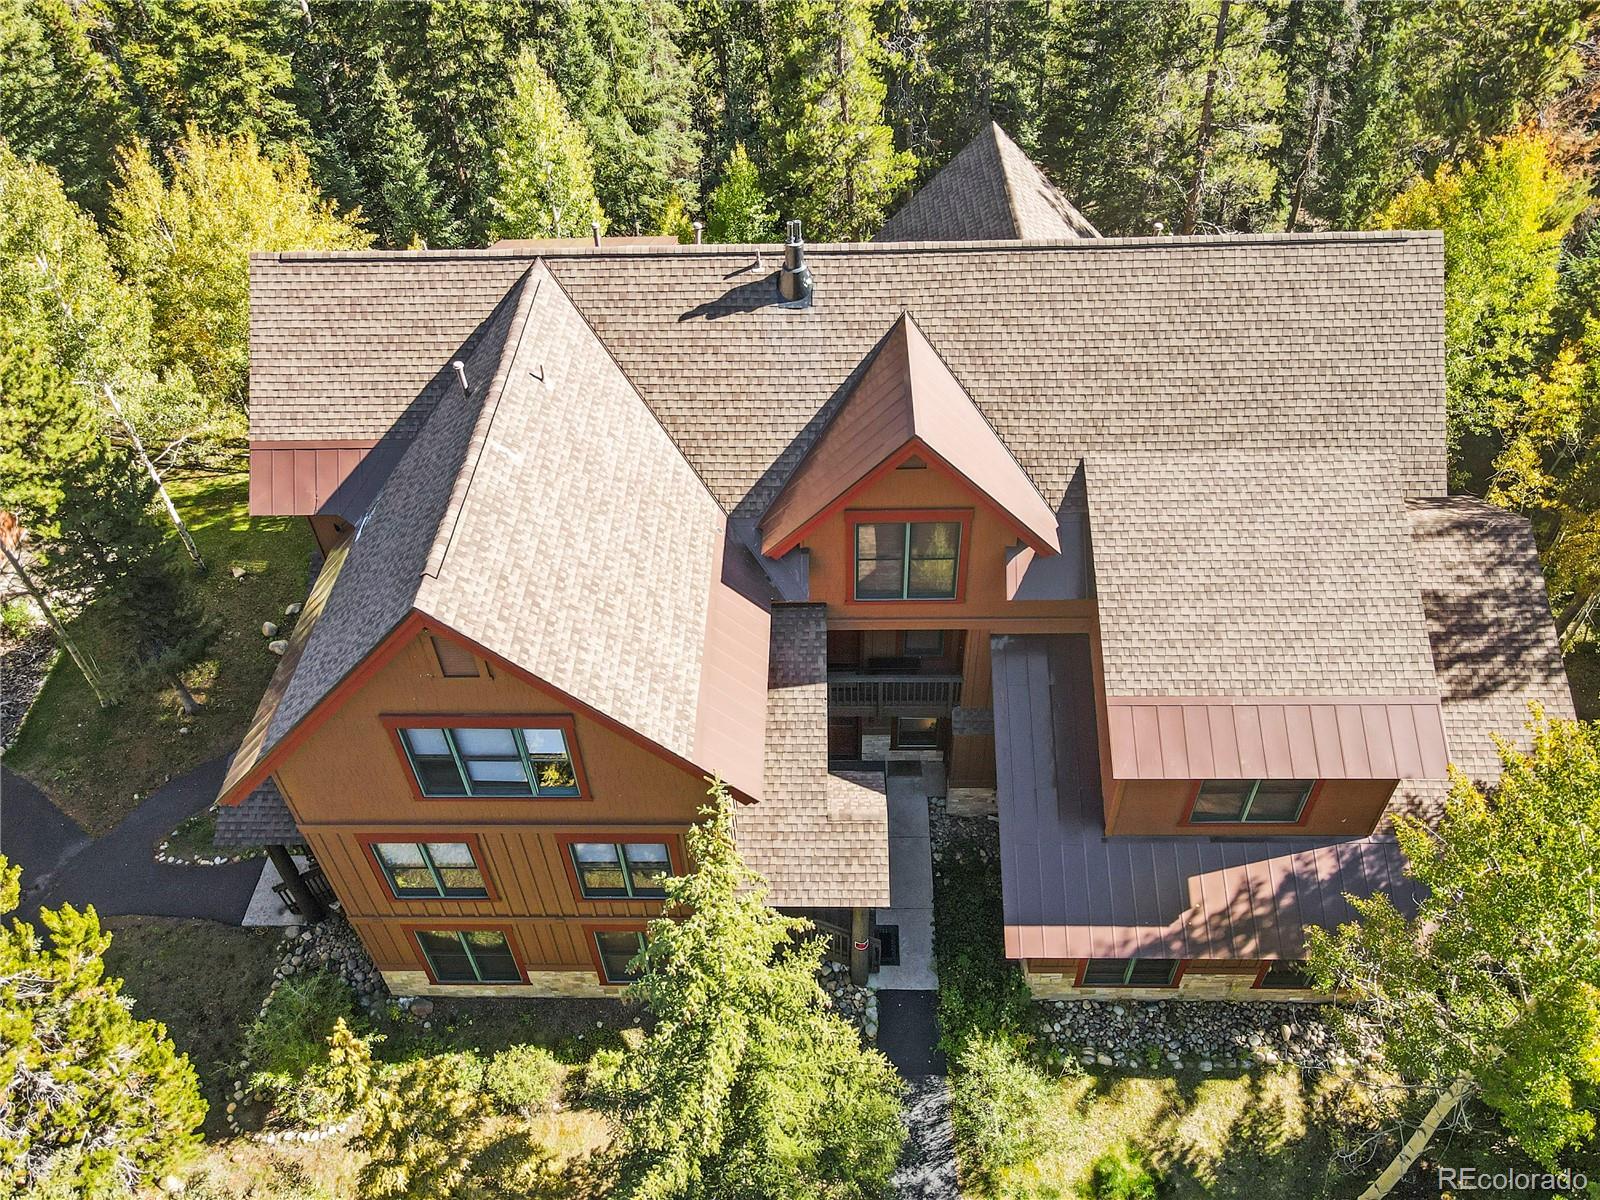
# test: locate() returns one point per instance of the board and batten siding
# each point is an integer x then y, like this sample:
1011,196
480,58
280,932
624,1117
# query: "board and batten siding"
347,783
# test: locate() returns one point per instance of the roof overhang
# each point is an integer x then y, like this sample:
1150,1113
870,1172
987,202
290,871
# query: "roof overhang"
1276,737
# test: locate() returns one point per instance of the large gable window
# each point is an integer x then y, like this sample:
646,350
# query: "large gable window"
1251,801
907,560
518,759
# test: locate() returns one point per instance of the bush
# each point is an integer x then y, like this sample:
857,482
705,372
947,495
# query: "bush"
980,990
998,1101
1122,1174
291,1034
523,1079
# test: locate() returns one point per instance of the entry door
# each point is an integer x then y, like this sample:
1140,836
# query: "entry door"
844,737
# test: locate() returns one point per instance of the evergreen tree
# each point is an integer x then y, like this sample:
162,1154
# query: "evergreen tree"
187,242
92,1102
1315,40
727,47
545,179
1504,216
223,66
87,502
832,160
1495,982
61,103
421,1131
405,201
738,210
748,1084
620,71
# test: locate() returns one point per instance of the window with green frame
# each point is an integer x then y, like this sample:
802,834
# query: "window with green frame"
1251,801
907,560
1286,974
617,948
469,955
491,761
608,870
1129,972
420,869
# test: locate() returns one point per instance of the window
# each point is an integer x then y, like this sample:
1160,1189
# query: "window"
923,643
1284,973
1129,972
469,955
419,869
1251,801
455,662
907,560
626,869
916,733
616,948
491,761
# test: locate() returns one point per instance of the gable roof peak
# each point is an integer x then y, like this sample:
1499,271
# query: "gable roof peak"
906,402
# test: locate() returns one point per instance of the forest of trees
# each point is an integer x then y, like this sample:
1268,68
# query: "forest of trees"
147,145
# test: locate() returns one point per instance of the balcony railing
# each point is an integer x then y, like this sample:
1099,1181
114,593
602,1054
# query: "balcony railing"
847,689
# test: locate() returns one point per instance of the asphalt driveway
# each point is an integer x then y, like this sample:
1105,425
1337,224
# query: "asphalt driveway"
118,873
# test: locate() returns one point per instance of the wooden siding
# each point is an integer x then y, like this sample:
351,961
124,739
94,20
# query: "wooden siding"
1339,808
539,944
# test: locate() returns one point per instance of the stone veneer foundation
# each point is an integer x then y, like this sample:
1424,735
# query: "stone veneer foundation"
540,983
1195,984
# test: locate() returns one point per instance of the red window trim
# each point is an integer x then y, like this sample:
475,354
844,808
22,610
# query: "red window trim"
565,722
1177,976
866,516
412,928
675,852
1186,822
590,928
473,842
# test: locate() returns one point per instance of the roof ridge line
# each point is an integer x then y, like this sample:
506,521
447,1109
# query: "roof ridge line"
482,423
995,134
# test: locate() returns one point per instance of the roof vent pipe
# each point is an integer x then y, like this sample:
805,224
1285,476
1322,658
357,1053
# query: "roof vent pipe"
594,226
461,374
794,281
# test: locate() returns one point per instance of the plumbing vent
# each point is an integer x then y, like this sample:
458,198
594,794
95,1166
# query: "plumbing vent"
794,281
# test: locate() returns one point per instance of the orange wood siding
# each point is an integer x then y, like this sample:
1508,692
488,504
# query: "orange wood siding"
1339,808
539,944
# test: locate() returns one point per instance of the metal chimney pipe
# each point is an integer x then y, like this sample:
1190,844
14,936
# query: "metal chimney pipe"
699,228
594,227
794,281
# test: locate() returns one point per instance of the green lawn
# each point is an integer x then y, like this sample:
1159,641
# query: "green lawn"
93,762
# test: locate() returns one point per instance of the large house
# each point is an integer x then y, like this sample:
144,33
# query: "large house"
1143,543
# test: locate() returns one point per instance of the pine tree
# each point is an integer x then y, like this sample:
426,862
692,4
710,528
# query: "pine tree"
1316,39
832,160
187,243
747,1084
620,71
421,1131
87,503
61,103
545,178
406,200
727,47
92,1101
738,210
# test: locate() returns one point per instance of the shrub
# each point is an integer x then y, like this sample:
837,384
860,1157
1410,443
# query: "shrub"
291,1034
523,1079
998,1101
1122,1174
980,990
422,1129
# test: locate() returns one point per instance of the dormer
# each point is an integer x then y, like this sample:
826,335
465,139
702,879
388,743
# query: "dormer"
907,463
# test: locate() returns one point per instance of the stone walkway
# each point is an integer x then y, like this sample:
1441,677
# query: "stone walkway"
927,1169
910,887
117,873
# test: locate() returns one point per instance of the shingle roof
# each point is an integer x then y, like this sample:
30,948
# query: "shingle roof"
1494,645
906,396
547,481
1282,568
819,839
990,191
262,818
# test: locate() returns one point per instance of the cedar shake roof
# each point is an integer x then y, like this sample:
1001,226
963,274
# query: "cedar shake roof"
905,401
820,840
1495,649
545,515
990,191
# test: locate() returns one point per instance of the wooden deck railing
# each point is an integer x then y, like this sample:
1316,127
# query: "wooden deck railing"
847,689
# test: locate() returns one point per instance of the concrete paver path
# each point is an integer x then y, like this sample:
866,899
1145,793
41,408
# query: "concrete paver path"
118,873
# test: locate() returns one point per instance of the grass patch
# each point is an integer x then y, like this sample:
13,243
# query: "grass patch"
203,980
95,762
193,840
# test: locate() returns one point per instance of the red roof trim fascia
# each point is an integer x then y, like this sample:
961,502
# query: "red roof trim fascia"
914,448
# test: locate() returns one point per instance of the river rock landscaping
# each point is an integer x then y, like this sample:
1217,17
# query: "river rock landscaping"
1205,1035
